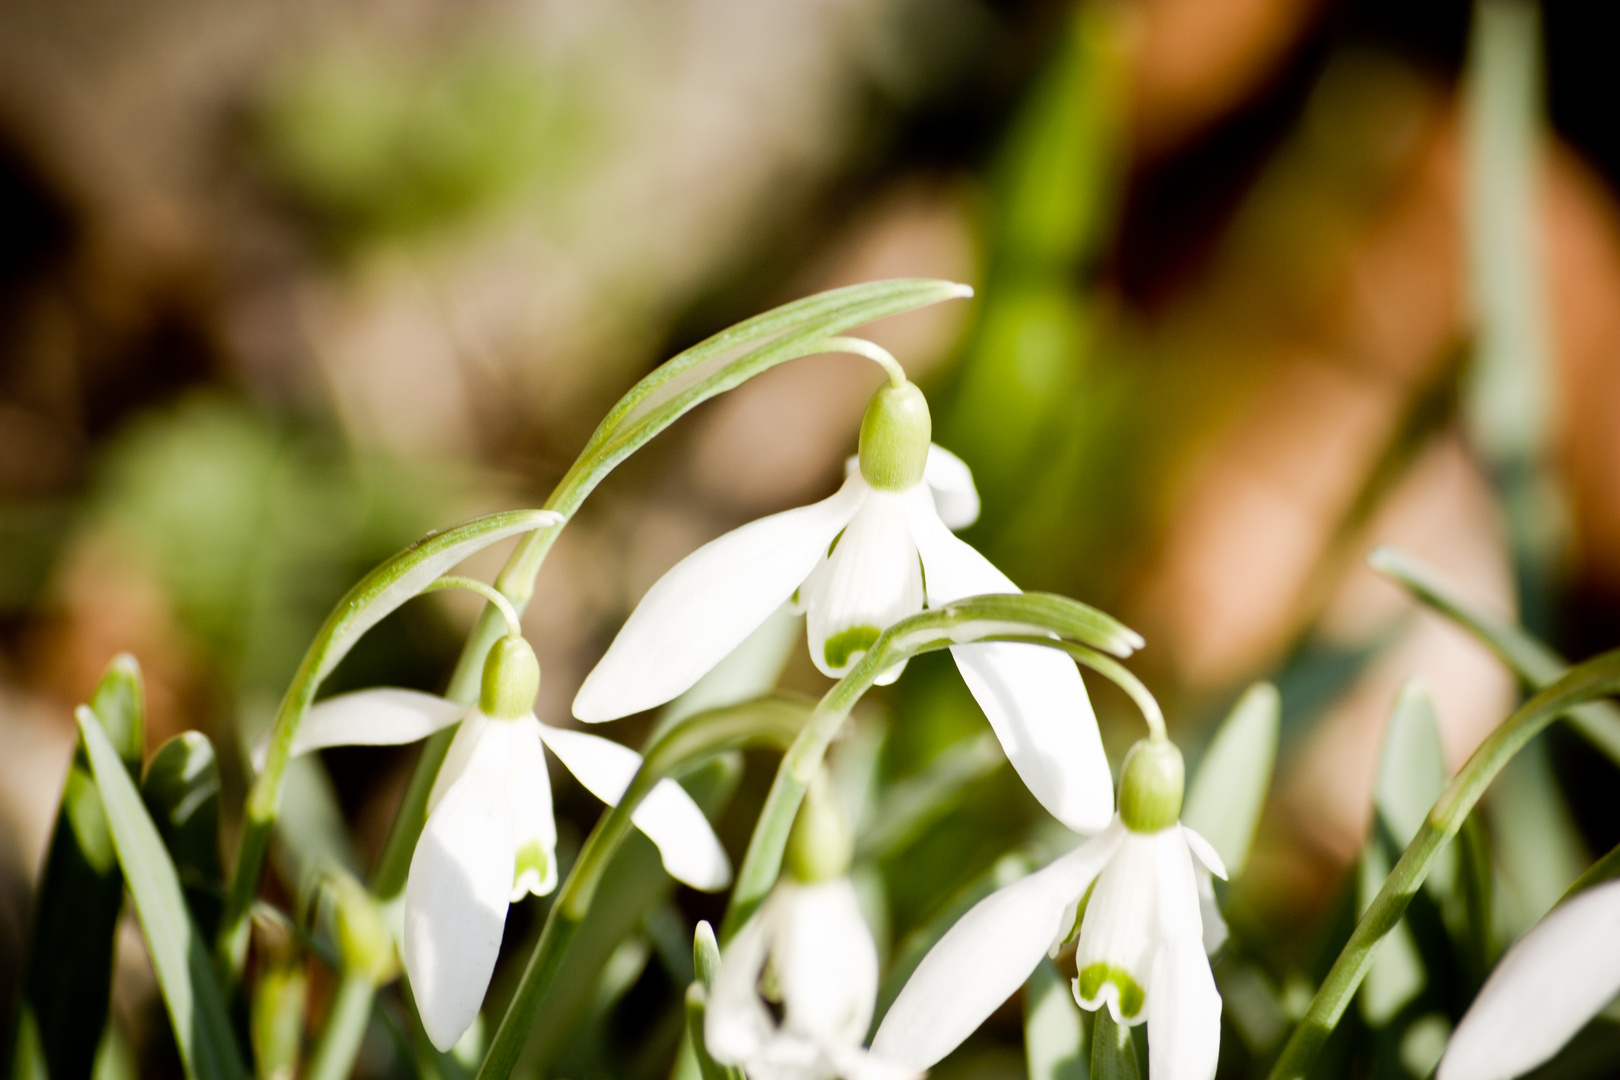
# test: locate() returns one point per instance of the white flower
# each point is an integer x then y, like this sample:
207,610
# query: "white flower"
1140,951
811,943
875,552
1547,986
490,836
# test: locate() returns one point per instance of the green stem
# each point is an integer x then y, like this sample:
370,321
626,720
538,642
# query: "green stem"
339,1043
873,352
494,596
1598,677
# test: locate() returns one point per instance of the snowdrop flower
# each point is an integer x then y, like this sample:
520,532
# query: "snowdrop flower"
810,947
872,554
1547,986
1140,951
490,837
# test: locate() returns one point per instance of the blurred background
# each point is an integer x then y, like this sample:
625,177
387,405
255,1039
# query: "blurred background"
1261,283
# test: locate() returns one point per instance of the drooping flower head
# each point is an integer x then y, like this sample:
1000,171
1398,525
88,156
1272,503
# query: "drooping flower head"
1140,951
490,838
877,551
807,949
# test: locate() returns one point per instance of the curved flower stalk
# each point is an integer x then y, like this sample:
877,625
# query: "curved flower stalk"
1133,894
490,836
810,946
877,551
1548,985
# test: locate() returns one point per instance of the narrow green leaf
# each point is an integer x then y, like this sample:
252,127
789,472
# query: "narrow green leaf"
181,792
1229,788
720,363
202,1027
1411,775
1054,1037
1113,1052
81,891
1536,665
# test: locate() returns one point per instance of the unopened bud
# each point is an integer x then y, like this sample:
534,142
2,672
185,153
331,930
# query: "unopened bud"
511,679
895,434
1150,786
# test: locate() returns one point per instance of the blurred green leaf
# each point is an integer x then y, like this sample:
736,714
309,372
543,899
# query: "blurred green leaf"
81,891
1113,1051
277,1023
1411,775
202,1027
1536,665
181,792
1229,789
1538,847
914,804
1054,1036
1397,974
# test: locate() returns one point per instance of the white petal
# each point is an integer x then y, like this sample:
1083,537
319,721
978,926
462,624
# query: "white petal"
1548,985
736,1024
1179,909
468,737
1205,852
870,581
855,1063
1209,914
456,897
690,850
534,827
951,482
1120,931
1184,1014
383,717
985,957
709,602
826,963
1033,696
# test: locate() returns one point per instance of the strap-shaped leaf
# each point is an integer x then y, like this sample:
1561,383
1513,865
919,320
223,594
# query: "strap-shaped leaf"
1229,789
726,360
1536,665
181,792
1054,1038
65,990
1113,1051
202,1027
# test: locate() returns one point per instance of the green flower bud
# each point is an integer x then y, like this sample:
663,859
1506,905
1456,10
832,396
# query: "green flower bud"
894,438
820,846
1150,786
364,940
511,679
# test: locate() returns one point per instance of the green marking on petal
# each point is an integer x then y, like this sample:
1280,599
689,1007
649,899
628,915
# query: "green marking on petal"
536,870
1080,913
1098,975
846,643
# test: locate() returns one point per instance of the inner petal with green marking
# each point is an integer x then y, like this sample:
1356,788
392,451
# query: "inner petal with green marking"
1128,993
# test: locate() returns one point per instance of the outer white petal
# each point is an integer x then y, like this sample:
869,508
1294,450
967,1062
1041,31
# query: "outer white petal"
382,717
1548,985
826,963
736,1024
534,826
456,896
870,581
1184,1014
1205,852
469,736
855,1063
1033,696
690,850
985,957
1179,909
709,602
951,482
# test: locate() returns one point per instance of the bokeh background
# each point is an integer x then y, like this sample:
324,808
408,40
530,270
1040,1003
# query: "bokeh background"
284,285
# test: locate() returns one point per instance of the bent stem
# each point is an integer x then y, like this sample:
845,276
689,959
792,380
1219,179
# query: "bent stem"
1598,677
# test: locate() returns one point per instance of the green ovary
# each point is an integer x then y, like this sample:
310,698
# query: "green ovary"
1096,976
846,643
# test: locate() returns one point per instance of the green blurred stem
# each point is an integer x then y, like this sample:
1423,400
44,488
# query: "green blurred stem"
1598,677
339,1042
1536,665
